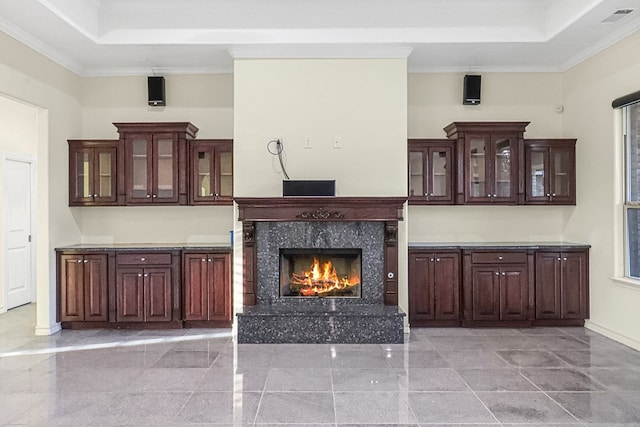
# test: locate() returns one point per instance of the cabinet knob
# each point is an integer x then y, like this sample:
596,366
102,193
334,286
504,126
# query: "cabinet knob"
504,274
143,259
558,258
548,195
495,195
500,257
488,195
497,273
210,194
146,274
209,259
85,261
431,260
81,260
437,259
154,196
564,259
553,195
204,259
431,194
148,196
95,195
139,274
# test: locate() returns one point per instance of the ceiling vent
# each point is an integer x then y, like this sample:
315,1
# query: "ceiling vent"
617,15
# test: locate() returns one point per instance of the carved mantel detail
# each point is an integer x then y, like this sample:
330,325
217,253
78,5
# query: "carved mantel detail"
320,213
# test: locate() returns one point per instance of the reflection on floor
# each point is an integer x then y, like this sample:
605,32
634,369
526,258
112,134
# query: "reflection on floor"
539,376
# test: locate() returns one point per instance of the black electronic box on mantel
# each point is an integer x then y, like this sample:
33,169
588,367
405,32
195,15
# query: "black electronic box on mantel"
308,188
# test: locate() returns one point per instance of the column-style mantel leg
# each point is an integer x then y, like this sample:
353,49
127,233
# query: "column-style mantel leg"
391,263
249,263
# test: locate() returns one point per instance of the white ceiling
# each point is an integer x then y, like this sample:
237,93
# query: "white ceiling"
141,37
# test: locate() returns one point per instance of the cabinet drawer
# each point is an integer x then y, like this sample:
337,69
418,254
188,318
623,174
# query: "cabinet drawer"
499,257
144,258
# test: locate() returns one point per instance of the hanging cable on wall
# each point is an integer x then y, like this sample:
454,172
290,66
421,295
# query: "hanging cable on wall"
275,147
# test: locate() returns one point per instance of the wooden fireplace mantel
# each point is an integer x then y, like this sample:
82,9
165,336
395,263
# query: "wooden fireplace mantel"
383,209
320,208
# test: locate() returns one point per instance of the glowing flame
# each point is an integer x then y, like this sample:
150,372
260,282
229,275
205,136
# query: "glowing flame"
321,280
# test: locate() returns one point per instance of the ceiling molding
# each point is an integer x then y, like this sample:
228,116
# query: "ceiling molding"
320,52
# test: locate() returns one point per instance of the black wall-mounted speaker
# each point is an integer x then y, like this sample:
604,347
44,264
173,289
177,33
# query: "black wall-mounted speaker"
155,86
471,92
309,188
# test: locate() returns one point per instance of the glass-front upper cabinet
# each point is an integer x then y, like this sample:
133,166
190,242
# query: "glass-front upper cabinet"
489,153
155,157
93,172
430,171
550,171
211,172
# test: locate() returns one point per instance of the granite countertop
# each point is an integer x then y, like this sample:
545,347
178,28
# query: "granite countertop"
497,245
145,246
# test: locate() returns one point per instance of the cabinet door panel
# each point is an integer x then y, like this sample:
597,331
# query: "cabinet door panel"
514,293
71,288
139,173
447,286
421,297
105,175
219,287
477,169
81,174
573,286
165,157
130,295
95,285
537,171
548,285
562,181
224,166
157,298
195,287
486,293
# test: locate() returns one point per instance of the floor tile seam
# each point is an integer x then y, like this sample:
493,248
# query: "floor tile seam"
565,391
486,407
562,406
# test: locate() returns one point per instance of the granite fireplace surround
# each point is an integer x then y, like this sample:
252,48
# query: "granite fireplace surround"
369,224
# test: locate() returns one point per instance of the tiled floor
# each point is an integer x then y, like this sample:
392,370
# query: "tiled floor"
541,376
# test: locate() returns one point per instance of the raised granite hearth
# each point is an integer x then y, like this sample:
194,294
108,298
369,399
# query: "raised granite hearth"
357,324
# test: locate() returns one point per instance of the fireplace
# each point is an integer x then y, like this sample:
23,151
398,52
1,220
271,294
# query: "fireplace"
320,270
321,273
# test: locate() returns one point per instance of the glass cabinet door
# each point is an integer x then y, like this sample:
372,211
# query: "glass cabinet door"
204,171
416,174
164,170
502,168
140,173
561,172
477,172
537,169
439,179
225,166
104,182
83,188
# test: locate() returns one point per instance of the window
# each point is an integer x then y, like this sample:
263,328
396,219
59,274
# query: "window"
631,121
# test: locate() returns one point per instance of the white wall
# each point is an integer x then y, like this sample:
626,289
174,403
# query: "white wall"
589,89
204,100
53,92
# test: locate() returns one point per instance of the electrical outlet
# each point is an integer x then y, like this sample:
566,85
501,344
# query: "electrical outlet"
337,143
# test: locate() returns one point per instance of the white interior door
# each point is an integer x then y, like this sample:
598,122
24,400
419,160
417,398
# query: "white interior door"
17,262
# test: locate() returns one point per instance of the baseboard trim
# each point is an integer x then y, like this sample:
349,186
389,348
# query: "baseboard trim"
48,330
621,338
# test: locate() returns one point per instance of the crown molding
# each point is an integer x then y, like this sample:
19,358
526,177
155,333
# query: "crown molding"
320,52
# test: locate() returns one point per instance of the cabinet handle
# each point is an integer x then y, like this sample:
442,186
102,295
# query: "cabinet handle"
143,259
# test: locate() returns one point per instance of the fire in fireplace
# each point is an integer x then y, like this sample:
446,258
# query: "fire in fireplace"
321,273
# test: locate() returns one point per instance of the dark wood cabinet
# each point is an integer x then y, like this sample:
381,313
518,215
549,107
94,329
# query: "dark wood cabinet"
155,159
434,288
211,167
488,161
498,287
207,288
431,166
562,286
83,283
147,287
550,171
93,173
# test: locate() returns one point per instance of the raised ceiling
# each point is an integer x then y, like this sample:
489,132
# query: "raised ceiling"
141,37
